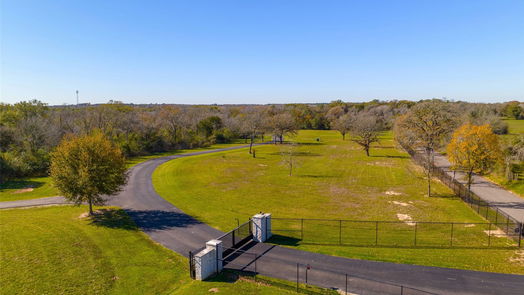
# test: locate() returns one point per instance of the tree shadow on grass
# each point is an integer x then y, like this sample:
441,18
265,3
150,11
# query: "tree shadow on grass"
20,184
293,242
315,176
147,220
113,218
284,240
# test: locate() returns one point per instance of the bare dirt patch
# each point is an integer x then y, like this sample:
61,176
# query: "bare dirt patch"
24,190
399,203
518,258
393,193
86,214
213,290
406,218
496,233
469,225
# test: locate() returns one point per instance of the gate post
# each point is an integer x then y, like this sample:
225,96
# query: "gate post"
208,262
217,246
261,227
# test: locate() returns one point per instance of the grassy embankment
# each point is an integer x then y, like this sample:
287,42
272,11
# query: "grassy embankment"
54,250
41,187
334,179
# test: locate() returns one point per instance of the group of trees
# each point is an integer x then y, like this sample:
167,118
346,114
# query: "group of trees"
30,131
471,141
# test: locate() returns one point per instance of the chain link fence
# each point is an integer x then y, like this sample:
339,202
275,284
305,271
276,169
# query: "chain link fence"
483,208
294,231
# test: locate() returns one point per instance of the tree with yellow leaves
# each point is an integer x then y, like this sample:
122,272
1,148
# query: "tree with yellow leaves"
474,149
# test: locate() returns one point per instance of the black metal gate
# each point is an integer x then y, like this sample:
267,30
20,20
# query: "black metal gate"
191,266
236,238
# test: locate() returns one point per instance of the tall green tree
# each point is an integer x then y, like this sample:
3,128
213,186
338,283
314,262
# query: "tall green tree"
514,110
85,168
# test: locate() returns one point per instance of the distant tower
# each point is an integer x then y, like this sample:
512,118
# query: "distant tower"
77,97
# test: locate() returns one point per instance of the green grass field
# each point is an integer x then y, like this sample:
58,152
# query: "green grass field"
334,179
53,251
515,126
41,187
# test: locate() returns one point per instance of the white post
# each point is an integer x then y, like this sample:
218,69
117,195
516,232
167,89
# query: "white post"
209,261
268,235
219,250
261,227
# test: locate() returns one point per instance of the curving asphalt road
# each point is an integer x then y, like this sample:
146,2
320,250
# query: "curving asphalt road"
181,233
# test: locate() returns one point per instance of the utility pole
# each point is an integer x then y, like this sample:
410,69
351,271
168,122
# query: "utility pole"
77,98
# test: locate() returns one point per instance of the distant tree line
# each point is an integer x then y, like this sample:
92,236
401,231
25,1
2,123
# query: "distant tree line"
31,130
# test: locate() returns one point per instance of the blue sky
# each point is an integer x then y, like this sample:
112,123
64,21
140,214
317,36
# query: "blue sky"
261,51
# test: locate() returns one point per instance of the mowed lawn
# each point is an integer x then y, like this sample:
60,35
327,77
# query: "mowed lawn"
41,187
334,179
53,250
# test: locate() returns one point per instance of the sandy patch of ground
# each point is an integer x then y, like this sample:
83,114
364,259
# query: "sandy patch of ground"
262,165
393,193
24,190
399,203
96,212
518,258
406,218
213,290
469,225
496,233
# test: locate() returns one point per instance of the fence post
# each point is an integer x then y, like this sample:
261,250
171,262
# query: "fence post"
376,233
191,273
451,238
416,223
302,229
489,235
497,215
401,290
520,233
346,284
340,232
487,212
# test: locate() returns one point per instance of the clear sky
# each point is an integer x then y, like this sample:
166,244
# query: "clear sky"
261,51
